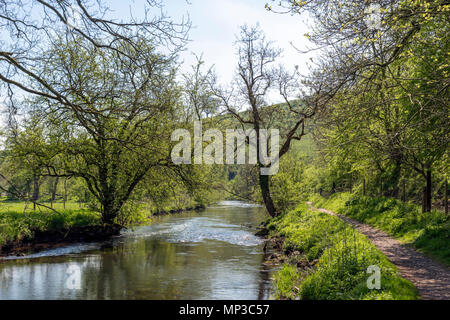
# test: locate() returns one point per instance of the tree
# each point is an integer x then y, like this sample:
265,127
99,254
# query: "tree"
199,102
30,26
387,64
247,99
101,87
22,155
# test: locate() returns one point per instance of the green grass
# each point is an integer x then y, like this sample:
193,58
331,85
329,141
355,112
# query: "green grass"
18,220
428,232
341,257
19,206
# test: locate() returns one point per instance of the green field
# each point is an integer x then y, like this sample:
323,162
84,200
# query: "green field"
21,206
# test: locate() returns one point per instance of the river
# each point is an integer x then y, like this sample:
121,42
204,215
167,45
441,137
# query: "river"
208,254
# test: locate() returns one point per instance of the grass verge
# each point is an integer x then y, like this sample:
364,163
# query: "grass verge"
340,257
428,232
18,222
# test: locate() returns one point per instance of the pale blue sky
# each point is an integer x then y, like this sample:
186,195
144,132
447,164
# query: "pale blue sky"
216,22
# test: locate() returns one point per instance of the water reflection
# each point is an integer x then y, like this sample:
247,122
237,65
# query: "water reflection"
211,254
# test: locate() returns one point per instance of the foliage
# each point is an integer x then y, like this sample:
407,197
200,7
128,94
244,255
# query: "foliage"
383,67
285,281
99,100
342,256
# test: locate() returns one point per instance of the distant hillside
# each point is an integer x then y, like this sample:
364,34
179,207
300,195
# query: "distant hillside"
281,118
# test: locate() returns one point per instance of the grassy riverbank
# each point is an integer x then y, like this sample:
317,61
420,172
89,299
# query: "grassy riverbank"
328,260
428,232
22,226
18,221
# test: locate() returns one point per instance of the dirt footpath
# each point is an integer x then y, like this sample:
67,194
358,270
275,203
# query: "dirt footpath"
431,278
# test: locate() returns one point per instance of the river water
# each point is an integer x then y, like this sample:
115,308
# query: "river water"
208,254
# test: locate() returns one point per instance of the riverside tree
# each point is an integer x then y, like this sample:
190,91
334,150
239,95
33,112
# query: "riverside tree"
387,63
247,99
104,90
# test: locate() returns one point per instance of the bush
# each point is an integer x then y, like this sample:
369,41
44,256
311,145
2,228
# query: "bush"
307,233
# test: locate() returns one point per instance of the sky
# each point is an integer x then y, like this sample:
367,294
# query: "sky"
215,24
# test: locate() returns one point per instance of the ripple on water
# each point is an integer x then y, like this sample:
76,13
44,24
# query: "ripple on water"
202,229
182,230
216,258
70,249
238,204
198,229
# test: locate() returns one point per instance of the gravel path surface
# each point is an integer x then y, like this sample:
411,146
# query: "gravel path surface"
431,278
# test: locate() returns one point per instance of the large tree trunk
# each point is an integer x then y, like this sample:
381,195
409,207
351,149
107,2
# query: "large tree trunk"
109,214
265,191
427,193
109,208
